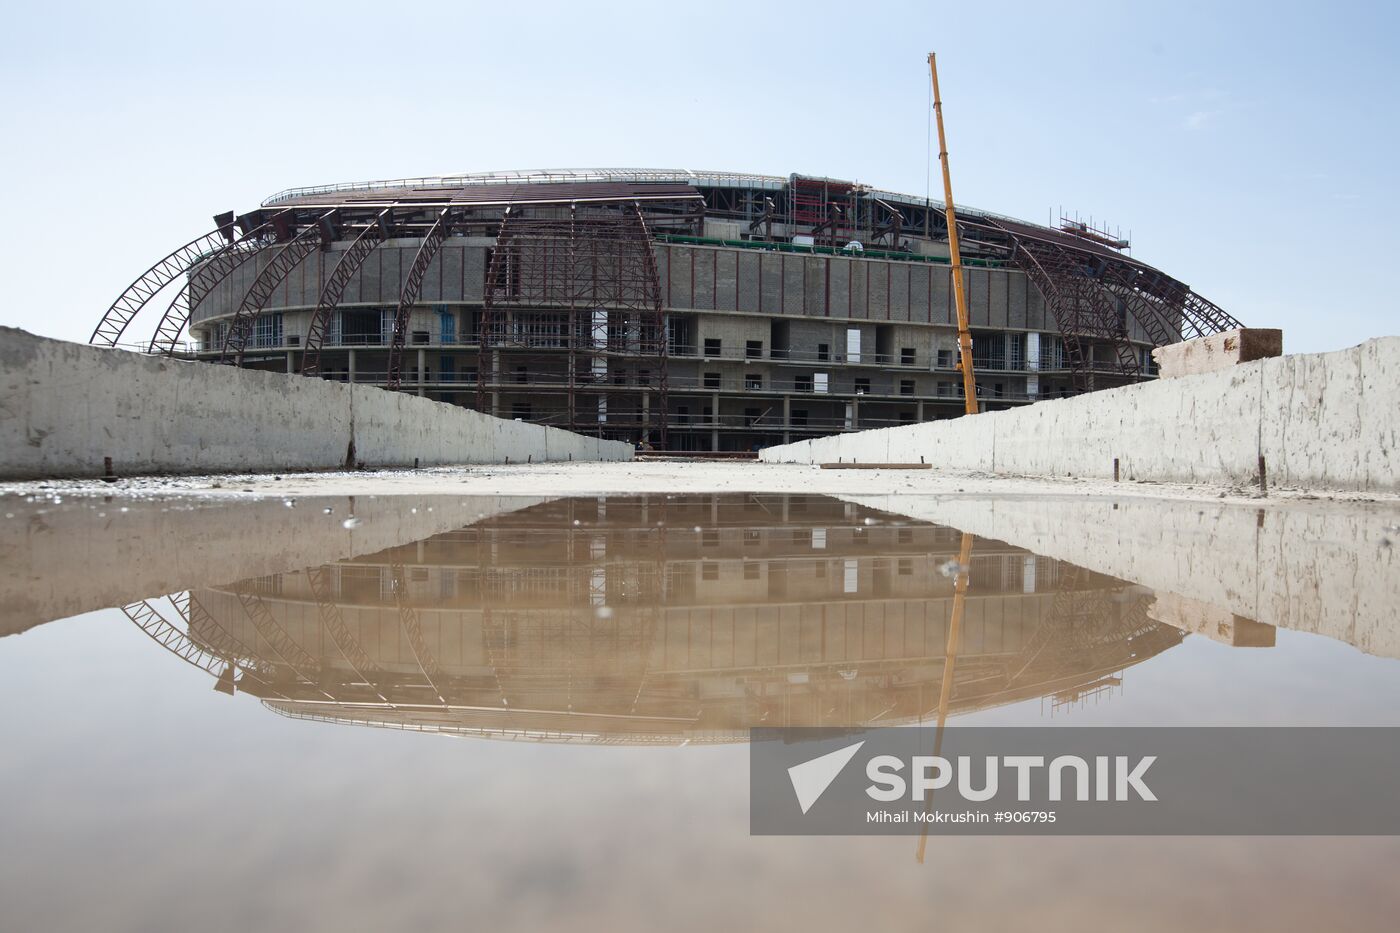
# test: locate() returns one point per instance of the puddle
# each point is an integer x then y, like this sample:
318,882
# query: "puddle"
223,715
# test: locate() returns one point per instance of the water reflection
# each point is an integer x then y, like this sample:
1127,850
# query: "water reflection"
667,619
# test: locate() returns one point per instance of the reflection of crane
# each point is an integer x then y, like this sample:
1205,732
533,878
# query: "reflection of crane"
959,287
945,693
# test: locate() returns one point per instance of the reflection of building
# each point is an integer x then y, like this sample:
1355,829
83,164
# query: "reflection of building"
663,619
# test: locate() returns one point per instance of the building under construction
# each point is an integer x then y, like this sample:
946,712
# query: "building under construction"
700,311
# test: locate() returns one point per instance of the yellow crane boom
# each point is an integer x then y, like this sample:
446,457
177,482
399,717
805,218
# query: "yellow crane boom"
959,287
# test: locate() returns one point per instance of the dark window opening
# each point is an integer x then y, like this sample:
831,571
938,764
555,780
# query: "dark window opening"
361,327
753,382
823,352
906,356
753,349
712,380
906,387
712,346
862,385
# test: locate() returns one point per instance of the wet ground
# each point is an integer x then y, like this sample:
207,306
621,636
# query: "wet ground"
441,711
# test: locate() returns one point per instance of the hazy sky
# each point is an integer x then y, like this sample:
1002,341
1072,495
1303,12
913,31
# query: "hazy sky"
1249,149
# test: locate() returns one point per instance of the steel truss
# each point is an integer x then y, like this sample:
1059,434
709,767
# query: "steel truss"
408,620
222,663
591,273
413,284
1091,292
367,672
283,645
203,278
1081,306
150,283
345,269
288,257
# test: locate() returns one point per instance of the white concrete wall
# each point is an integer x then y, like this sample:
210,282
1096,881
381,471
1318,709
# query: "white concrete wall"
65,406
1321,421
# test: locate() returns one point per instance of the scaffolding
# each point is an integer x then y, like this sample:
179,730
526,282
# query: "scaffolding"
578,286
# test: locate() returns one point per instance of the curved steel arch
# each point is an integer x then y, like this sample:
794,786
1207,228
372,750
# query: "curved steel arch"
408,619
1076,313
413,284
345,268
360,662
151,282
271,631
287,258
150,620
203,281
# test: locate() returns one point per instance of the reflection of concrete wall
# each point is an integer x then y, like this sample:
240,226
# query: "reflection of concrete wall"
66,559
1311,567
66,406
1325,420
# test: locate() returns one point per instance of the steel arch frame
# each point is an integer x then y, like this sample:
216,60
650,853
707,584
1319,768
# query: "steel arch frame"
153,623
576,265
408,621
345,269
360,663
1075,301
200,282
412,286
287,258
271,631
154,280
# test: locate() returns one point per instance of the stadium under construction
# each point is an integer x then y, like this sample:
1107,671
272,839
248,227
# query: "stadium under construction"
689,311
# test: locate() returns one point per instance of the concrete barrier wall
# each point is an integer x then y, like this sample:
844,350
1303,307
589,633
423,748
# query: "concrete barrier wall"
65,406
1321,421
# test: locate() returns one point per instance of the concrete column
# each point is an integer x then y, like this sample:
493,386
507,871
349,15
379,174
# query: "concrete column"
496,381
422,369
919,411
714,431
291,365
787,432
350,363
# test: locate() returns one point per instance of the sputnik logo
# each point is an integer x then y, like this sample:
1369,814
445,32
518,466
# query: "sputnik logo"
811,778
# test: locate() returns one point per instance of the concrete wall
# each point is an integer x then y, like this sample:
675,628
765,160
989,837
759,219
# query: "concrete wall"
1321,421
65,406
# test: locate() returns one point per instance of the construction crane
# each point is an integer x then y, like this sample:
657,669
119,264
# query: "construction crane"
959,288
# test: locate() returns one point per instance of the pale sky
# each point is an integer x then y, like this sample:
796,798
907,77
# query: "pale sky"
1250,150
